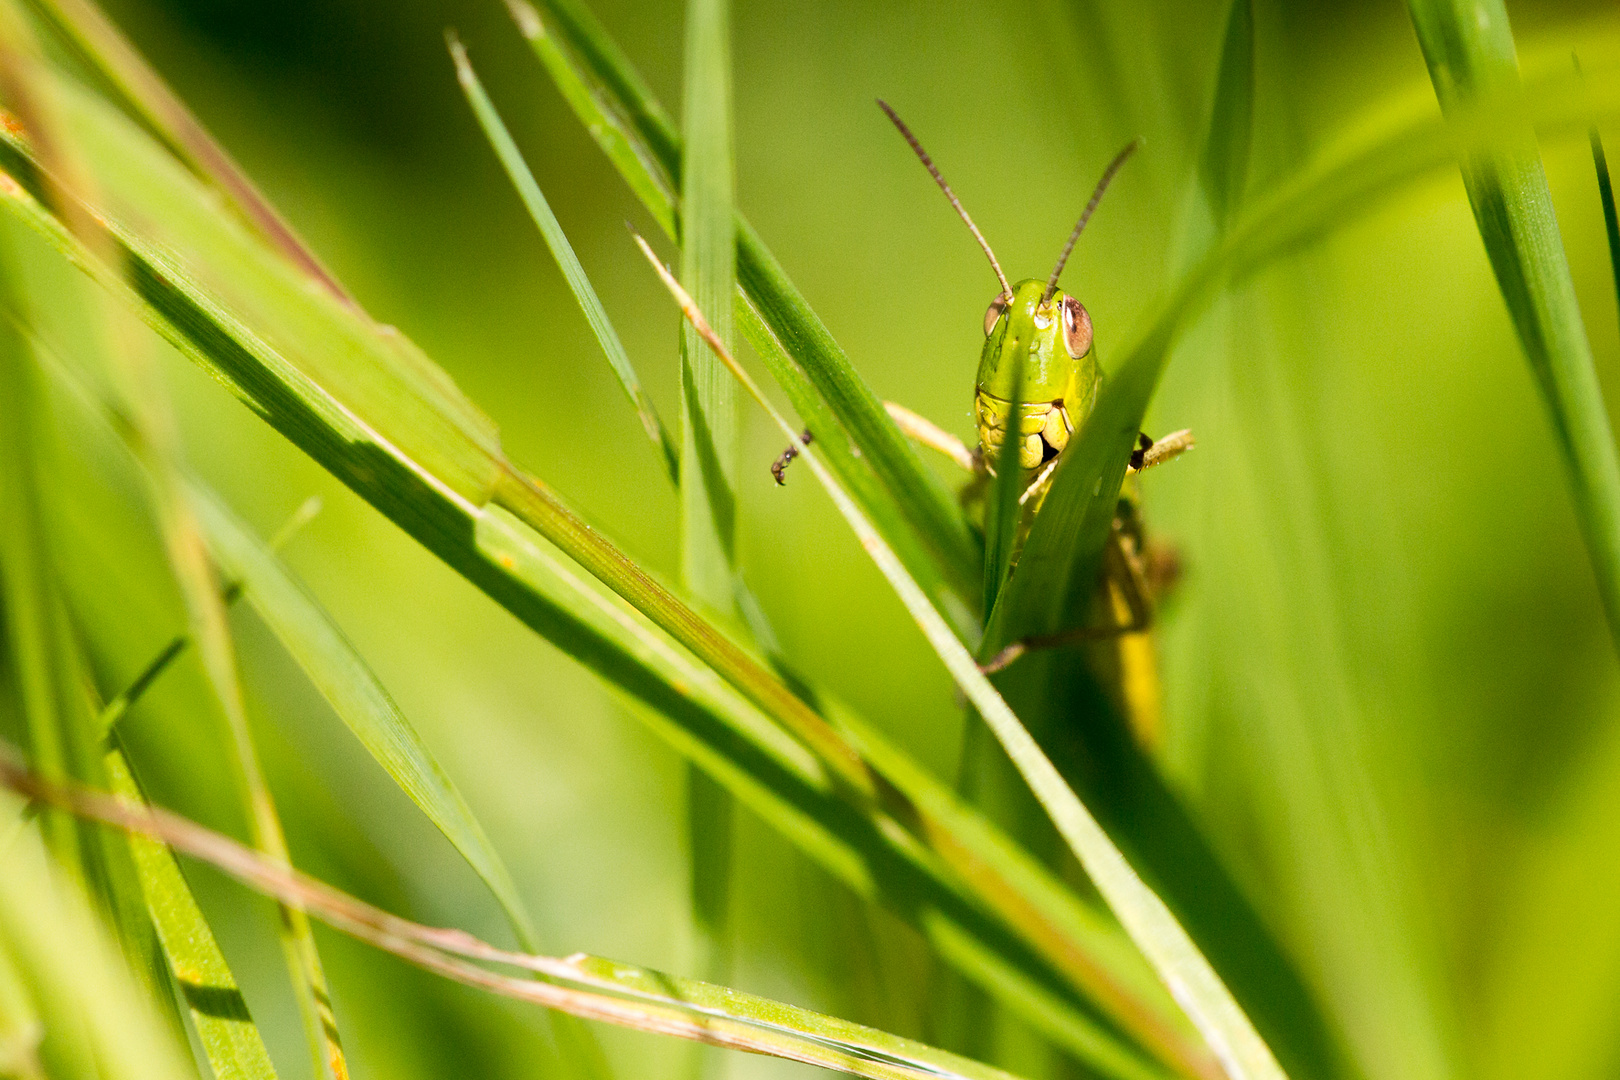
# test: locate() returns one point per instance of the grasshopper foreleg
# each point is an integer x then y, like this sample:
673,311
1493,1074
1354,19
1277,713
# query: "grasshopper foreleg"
779,466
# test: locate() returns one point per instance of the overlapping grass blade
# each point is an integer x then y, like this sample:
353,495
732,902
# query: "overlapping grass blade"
358,697
72,187
583,985
229,1038
1190,978
615,106
540,210
1470,52
94,1020
1611,219
1002,510
710,443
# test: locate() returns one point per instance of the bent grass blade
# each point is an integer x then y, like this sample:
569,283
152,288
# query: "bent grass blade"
584,986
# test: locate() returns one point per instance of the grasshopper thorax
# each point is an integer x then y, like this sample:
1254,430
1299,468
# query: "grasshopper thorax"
1049,340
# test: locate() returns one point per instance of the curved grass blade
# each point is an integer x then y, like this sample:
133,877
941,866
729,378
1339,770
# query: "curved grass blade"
592,988
1611,219
229,1038
540,210
615,106
94,1020
152,438
1191,980
1471,57
358,697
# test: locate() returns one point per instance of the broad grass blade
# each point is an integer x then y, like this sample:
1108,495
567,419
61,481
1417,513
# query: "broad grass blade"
540,210
1470,52
224,1027
89,1008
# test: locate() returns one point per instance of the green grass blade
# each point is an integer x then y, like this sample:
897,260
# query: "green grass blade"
229,1038
1611,219
710,446
1001,511
590,986
616,108
152,438
94,1019
1223,167
709,421
540,210
1189,976
1470,53
358,697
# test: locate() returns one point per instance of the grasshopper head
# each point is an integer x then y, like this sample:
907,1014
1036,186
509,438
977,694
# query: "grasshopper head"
1052,335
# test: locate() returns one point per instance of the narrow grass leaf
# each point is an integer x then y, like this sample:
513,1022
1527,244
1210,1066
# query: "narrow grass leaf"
1469,49
710,446
540,210
592,988
358,697
1611,220
615,106
229,1038
1002,511
1189,977
153,439
94,1021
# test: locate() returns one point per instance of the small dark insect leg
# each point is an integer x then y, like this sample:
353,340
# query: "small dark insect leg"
779,466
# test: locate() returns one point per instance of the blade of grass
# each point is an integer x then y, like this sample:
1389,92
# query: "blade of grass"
358,698
95,1022
1470,52
710,448
540,210
1002,511
1611,220
615,106
229,1038
597,989
1189,977
151,435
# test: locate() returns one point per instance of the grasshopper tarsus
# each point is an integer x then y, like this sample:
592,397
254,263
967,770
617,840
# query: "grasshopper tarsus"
1144,443
779,466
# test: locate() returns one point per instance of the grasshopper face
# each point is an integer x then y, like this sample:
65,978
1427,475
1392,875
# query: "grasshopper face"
1060,373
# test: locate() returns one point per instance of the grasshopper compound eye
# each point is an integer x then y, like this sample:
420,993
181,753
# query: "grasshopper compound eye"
1076,328
993,314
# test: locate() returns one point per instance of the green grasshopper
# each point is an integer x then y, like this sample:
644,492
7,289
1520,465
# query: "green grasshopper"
1037,331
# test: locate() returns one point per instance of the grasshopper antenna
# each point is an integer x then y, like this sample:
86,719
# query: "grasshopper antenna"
928,163
1085,215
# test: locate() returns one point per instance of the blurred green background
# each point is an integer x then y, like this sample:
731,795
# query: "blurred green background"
1391,700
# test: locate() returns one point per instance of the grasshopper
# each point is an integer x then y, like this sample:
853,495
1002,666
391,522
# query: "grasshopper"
1040,336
